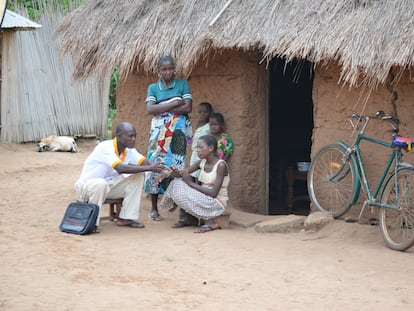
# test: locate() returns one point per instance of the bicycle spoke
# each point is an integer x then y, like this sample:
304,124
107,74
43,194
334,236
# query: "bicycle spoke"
331,184
397,225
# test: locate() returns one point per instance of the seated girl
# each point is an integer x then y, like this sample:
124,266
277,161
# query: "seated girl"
207,200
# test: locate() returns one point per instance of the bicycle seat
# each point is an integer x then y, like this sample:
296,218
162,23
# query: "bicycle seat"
403,142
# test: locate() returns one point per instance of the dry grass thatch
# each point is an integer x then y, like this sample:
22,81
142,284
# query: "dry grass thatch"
366,37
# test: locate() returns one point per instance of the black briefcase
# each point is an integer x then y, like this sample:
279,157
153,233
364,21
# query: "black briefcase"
80,218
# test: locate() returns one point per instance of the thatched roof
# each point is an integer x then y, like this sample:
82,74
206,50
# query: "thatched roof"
365,37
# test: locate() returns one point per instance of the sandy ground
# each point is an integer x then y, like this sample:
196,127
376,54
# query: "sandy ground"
342,267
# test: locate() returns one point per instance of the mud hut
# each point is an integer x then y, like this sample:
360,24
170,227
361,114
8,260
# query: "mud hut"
285,74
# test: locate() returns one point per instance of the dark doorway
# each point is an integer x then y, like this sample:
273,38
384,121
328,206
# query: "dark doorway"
290,133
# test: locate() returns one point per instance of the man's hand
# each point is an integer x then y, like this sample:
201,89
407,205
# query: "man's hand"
171,171
156,167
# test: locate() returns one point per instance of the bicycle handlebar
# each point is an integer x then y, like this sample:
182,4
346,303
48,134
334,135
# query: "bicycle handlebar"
381,115
378,115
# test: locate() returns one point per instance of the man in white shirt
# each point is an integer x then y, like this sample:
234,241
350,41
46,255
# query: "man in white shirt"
113,170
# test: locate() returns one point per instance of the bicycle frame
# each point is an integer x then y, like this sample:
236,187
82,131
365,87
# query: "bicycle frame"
338,172
354,154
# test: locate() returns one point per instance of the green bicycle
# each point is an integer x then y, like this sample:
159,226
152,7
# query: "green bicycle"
337,172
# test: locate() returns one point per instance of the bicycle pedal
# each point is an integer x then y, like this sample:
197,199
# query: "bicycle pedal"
351,219
373,221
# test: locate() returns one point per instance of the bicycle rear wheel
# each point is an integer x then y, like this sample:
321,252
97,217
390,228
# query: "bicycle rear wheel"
332,180
397,225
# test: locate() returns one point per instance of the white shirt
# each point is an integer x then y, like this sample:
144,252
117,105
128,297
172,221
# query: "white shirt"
101,162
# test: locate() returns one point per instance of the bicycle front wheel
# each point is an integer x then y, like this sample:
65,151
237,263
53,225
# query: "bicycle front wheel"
397,225
332,180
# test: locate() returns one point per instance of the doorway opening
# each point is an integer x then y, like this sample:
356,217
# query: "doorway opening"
290,134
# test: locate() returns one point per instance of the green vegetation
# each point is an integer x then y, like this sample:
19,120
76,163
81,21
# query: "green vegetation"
111,118
35,8
112,101
112,88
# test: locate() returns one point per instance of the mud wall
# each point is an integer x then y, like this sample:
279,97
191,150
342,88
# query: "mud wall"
236,86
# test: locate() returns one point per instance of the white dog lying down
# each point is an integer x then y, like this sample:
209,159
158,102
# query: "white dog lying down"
58,143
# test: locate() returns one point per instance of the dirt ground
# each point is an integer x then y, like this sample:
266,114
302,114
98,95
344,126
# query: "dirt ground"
342,267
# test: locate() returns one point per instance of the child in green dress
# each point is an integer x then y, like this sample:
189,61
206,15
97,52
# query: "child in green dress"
224,143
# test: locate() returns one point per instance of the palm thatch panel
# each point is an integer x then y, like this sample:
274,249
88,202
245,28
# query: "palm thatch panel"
39,97
366,37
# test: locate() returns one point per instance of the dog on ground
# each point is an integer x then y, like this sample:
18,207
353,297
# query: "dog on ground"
58,143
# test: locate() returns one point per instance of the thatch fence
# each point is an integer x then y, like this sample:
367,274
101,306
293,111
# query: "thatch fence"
39,96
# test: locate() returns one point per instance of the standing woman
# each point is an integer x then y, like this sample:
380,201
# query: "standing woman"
169,101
